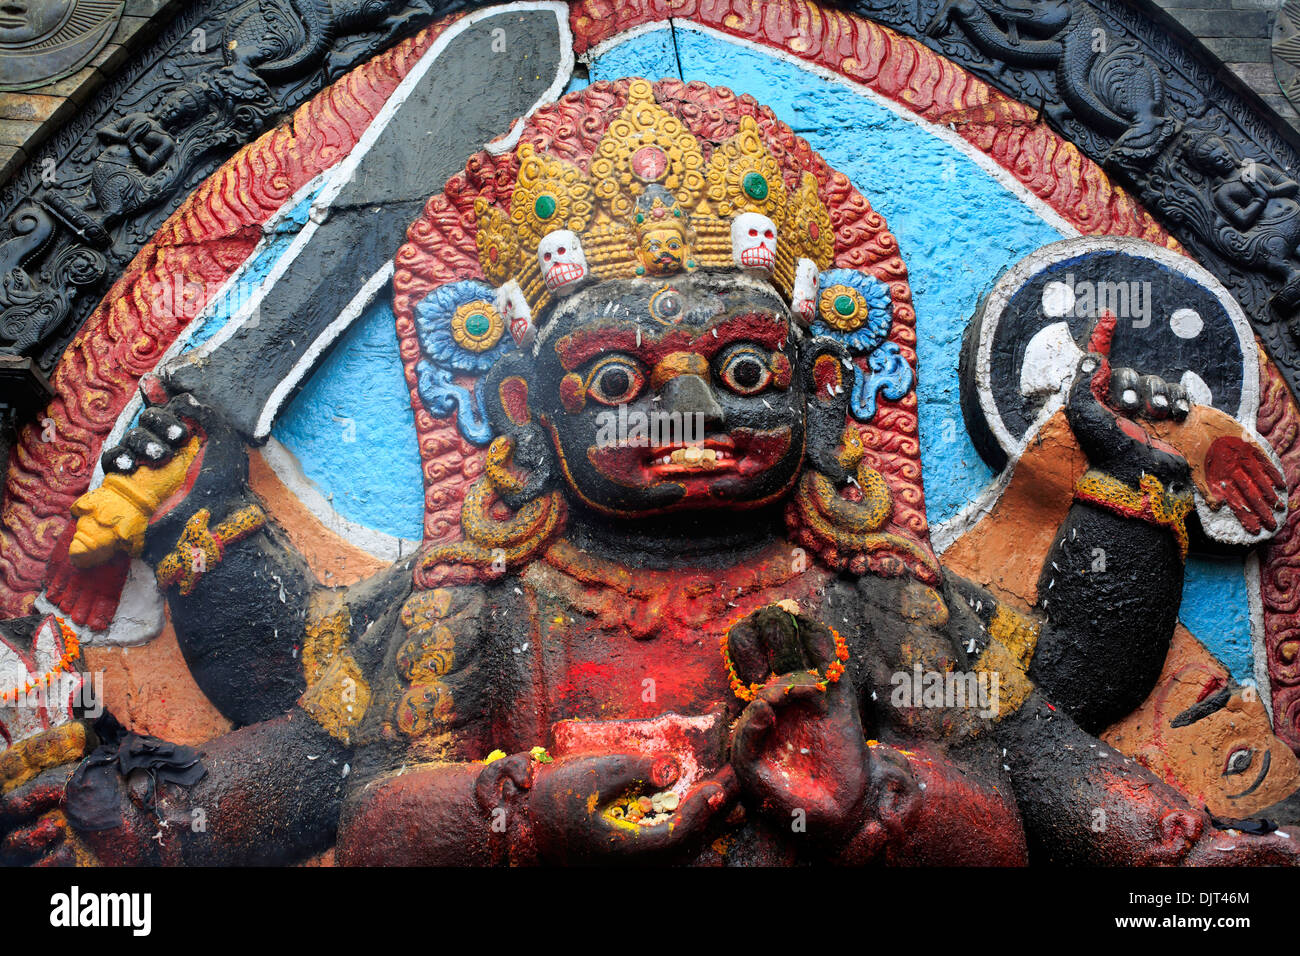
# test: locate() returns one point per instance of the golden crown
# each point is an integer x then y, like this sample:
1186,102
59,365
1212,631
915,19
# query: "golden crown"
650,204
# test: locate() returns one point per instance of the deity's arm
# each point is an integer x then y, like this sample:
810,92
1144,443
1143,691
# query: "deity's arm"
1085,803
269,646
430,710
390,687
1081,801
1110,586
270,794
176,494
1276,182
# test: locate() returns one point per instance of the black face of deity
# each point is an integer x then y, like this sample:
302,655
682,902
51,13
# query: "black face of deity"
672,394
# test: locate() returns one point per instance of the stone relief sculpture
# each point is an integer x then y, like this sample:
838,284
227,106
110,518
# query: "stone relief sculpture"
1108,85
45,40
34,304
679,596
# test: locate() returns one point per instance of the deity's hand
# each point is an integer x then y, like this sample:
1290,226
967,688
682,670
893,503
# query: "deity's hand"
1238,473
576,806
798,747
1130,425
33,827
142,473
1103,409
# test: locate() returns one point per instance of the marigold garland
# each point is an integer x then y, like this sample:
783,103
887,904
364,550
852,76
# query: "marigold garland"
72,649
747,692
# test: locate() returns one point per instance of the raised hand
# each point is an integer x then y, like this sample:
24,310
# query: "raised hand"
1130,424
162,431
798,748
144,471
1104,408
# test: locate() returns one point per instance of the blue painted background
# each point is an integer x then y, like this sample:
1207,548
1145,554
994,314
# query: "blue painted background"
353,430
958,229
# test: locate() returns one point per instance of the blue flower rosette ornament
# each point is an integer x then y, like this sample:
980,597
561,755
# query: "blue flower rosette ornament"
460,333
856,310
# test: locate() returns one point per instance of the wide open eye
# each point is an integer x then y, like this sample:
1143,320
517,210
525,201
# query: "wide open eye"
1239,761
746,370
615,380
666,304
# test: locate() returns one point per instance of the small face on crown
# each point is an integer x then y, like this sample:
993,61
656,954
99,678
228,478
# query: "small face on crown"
672,394
663,238
651,203
663,249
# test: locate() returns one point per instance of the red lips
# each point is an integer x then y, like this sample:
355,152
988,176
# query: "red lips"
742,452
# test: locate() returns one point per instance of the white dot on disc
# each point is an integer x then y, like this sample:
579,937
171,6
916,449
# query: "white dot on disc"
1058,299
1186,323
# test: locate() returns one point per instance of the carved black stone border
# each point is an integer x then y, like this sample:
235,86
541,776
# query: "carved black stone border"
175,60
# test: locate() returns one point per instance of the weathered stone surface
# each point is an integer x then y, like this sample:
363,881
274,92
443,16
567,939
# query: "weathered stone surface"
780,446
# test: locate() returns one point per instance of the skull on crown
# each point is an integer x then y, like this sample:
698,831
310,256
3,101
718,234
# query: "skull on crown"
513,306
561,259
753,241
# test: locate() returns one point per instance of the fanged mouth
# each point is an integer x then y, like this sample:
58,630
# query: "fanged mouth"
696,465
710,456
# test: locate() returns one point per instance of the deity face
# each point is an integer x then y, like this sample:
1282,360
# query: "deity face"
662,249
1212,156
672,395
25,20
